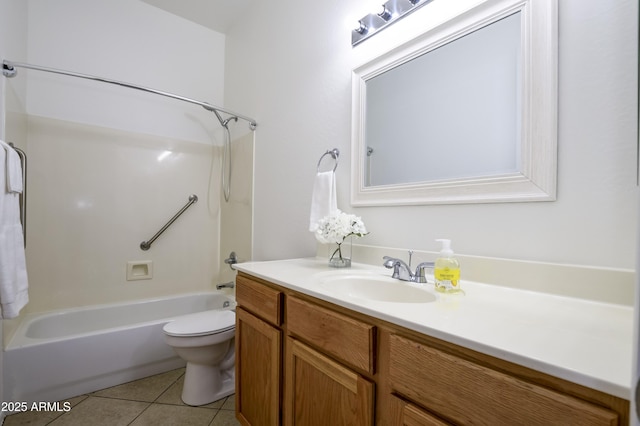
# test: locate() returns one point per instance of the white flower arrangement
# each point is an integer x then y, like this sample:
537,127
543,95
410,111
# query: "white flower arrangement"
334,228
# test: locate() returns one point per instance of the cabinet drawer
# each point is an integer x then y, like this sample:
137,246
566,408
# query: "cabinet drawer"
345,338
467,393
260,299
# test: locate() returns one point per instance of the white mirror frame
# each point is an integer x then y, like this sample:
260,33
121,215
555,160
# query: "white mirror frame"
536,180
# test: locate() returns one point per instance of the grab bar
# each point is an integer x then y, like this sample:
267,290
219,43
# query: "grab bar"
23,194
146,245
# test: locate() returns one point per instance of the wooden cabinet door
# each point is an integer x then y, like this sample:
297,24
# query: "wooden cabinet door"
407,414
258,371
321,392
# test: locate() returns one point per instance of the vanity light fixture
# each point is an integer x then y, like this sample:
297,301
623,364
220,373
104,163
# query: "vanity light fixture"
362,28
392,11
386,15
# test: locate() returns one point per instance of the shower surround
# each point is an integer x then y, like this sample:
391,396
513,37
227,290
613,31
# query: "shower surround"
95,194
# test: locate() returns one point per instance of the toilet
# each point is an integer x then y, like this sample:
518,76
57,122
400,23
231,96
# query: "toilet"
205,340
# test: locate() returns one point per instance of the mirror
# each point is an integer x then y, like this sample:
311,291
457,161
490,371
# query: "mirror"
466,113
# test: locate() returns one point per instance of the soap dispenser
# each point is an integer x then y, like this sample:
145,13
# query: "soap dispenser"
447,270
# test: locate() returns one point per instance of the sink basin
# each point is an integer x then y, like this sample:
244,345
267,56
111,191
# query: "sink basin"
380,289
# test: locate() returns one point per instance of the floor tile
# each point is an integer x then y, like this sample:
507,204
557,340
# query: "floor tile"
225,418
77,400
230,403
96,411
174,415
146,390
172,394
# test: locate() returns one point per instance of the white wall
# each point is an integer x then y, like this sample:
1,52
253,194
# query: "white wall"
129,41
294,77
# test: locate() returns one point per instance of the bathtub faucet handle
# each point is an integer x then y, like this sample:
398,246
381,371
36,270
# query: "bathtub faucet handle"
231,260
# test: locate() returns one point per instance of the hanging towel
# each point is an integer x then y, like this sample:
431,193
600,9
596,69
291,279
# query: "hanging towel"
323,200
13,268
13,169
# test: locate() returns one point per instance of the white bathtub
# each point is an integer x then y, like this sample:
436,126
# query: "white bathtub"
61,354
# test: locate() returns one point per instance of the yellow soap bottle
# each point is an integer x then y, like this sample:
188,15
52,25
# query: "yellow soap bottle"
447,270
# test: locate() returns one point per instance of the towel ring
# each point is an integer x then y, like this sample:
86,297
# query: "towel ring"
334,153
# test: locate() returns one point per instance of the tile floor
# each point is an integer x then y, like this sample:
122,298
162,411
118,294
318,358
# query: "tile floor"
153,401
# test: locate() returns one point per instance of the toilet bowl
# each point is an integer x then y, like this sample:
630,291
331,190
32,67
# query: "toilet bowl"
205,340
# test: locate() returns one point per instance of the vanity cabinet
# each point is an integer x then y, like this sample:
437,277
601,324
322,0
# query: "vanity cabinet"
305,361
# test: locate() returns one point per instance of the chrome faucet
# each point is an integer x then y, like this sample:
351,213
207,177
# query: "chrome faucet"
402,271
230,284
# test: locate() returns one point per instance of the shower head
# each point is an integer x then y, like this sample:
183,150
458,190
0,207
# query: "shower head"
225,122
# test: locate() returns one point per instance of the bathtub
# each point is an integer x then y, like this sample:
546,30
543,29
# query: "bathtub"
60,354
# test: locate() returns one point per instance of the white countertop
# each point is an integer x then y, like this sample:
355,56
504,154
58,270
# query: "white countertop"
585,342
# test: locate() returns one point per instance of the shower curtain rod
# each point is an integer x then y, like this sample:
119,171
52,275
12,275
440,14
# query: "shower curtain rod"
9,70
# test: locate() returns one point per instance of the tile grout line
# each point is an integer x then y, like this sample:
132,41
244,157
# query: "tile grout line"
86,396
140,413
156,399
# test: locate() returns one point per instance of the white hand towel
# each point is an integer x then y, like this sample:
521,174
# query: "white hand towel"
323,200
13,169
13,269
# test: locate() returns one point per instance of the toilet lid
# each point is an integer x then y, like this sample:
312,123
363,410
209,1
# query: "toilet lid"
201,323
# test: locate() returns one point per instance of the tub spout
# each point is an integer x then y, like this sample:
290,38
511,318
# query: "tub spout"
230,284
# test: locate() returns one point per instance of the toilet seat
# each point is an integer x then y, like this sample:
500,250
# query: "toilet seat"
201,324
